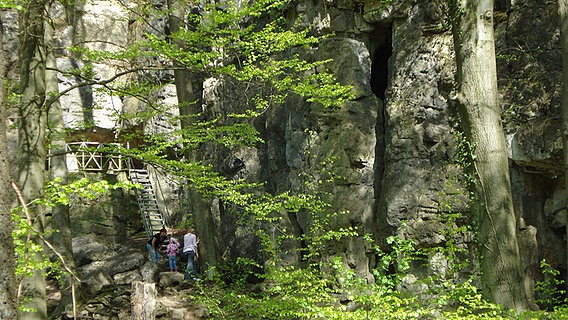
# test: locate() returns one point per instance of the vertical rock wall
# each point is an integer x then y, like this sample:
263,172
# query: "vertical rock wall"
420,183
390,148
529,67
394,147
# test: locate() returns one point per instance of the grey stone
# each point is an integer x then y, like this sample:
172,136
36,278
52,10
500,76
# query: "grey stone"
125,260
168,279
96,281
85,250
127,277
148,272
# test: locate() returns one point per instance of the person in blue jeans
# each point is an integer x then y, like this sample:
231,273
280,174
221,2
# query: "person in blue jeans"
154,245
190,250
172,250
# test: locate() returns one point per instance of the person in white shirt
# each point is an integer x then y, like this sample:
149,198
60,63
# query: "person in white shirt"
190,251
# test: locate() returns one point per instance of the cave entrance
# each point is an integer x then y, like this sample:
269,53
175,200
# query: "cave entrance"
380,49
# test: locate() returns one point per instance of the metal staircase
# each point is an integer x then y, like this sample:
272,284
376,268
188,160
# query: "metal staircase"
151,215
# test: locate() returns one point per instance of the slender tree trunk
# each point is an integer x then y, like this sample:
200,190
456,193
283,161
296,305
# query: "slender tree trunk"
31,141
188,108
479,110
563,18
58,170
9,309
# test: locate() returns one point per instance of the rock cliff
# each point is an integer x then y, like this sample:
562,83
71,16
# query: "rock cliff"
393,148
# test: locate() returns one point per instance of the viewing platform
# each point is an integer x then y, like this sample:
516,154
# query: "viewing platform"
94,157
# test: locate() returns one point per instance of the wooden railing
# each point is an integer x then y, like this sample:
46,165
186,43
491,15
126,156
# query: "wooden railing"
93,156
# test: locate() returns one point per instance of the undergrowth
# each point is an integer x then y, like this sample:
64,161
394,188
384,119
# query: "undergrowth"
309,293
327,287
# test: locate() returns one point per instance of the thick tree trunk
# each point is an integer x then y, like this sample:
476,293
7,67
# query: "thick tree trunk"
563,18
479,110
188,108
31,141
9,309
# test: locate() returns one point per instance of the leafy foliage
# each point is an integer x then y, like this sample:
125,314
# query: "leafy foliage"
291,293
240,43
10,4
311,293
26,258
56,193
550,289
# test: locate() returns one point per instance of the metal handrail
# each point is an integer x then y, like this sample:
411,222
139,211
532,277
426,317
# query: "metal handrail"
149,208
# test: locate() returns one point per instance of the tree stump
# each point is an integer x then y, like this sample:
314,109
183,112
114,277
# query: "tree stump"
143,300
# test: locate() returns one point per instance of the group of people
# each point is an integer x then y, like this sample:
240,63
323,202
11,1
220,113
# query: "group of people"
188,253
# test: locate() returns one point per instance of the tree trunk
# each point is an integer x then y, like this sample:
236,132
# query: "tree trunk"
563,21
31,141
479,110
58,169
188,108
143,301
9,309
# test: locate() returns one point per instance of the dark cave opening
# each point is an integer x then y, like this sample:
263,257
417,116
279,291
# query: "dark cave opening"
381,51
380,47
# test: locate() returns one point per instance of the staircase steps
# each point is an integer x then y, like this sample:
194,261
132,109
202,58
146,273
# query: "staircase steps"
149,209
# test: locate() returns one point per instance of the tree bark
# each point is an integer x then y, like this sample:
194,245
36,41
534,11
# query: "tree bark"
31,141
189,107
479,111
9,309
58,169
143,301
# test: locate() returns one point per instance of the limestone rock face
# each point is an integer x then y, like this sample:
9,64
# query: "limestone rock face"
391,151
529,65
395,147
86,251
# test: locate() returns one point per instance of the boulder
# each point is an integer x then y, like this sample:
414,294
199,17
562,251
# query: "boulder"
85,251
168,279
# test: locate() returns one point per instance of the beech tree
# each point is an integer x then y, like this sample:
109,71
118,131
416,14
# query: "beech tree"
56,132
479,110
32,152
189,108
40,118
8,302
